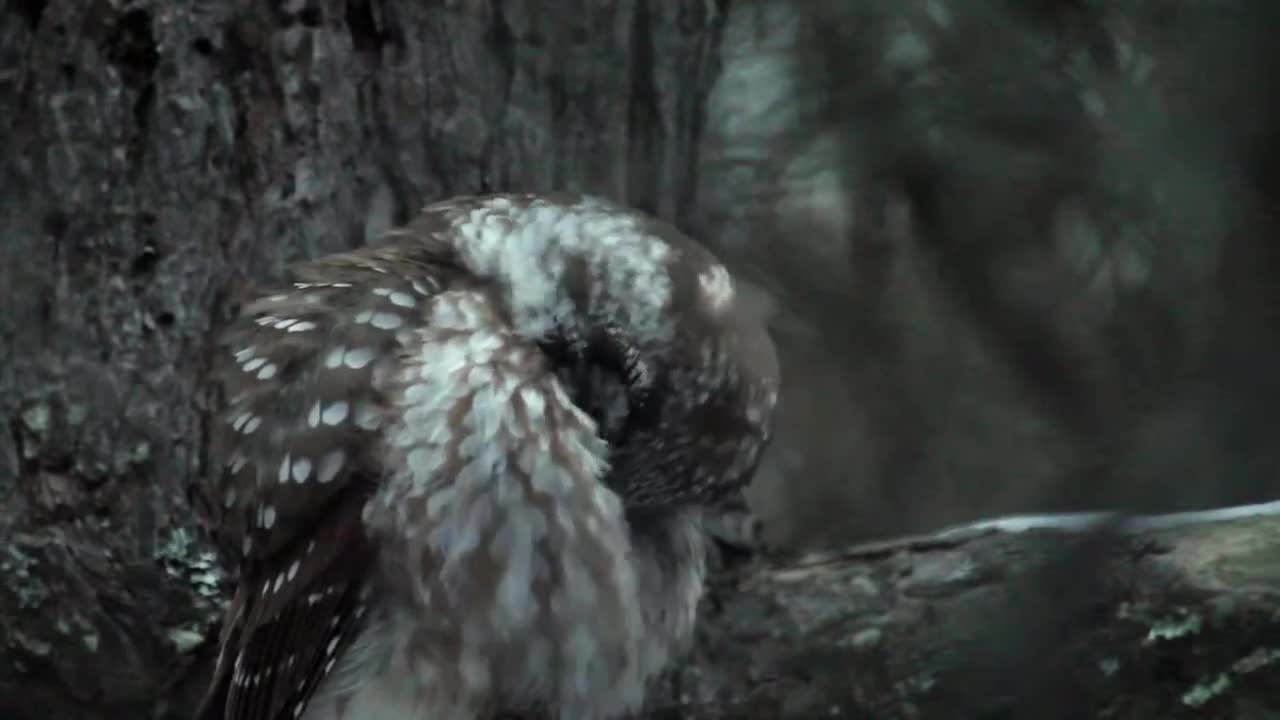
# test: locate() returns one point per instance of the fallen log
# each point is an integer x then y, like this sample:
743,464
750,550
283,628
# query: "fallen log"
1056,616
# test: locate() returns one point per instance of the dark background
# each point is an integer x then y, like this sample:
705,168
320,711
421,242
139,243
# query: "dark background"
1018,256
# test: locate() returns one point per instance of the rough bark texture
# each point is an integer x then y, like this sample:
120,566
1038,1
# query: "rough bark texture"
153,155
974,623
1049,622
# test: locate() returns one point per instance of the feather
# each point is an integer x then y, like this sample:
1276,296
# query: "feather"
461,471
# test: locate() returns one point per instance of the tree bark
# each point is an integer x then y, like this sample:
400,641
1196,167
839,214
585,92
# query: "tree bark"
1062,616
1059,617
154,155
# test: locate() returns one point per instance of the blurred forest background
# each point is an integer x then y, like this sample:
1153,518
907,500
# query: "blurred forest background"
1021,255
1018,255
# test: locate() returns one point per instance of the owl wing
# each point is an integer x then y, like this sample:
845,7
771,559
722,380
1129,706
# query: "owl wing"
297,448
375,416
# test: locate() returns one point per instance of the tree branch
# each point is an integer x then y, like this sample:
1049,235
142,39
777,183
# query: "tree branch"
1041,616
1083,615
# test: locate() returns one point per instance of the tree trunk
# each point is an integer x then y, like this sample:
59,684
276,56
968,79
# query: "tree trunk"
155,155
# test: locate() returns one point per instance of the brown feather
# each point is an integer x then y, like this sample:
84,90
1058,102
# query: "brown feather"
461,470
305,462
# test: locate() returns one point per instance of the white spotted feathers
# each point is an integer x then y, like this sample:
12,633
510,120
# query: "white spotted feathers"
428,453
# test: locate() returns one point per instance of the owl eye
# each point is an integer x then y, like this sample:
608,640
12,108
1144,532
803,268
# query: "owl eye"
608,377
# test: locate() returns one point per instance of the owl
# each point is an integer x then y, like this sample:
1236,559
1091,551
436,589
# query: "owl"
462,471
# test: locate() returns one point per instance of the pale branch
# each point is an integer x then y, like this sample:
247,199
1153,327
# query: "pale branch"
1043,616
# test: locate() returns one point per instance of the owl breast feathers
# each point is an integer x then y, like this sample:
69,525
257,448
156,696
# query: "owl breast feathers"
461,471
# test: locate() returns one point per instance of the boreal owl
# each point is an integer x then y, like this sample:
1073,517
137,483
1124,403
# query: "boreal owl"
461,471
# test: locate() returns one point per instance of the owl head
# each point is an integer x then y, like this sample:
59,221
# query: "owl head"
686,404
644,327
